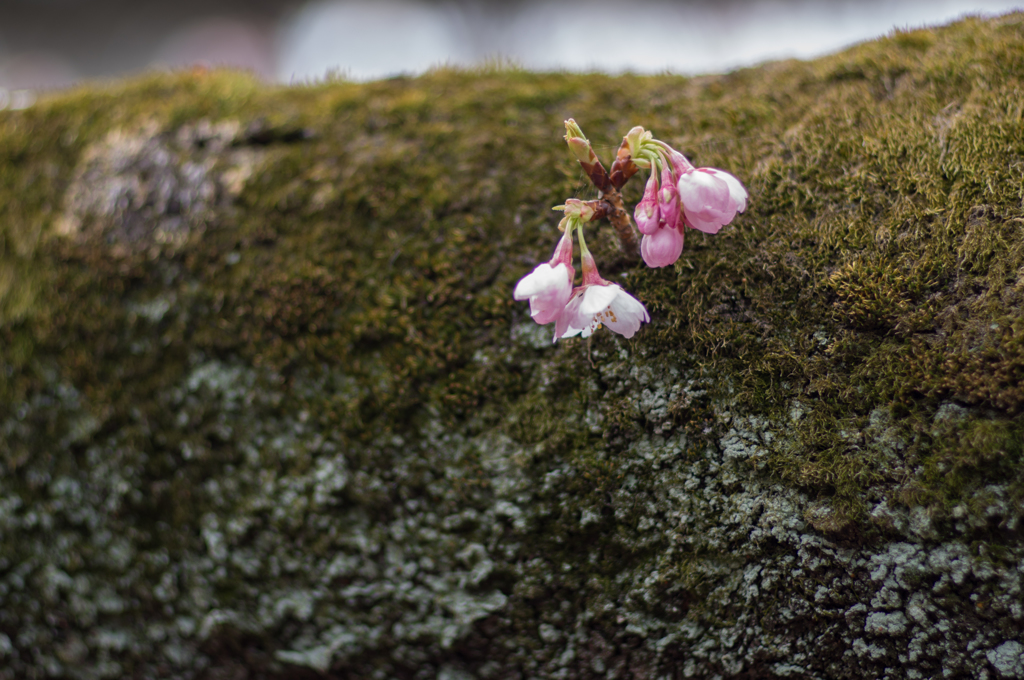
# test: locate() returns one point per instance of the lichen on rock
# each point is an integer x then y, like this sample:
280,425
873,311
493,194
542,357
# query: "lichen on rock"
148,189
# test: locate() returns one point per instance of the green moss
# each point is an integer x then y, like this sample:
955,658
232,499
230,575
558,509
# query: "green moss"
965,457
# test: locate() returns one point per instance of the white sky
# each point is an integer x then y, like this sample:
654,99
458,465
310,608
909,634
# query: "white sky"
366,40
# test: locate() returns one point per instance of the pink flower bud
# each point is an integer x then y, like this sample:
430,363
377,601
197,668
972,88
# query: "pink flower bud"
668,201
663,247
647,214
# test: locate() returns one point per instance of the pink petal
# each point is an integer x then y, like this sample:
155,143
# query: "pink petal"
700,190
548,289
564,327
708,227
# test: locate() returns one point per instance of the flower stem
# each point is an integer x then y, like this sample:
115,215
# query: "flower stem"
584,251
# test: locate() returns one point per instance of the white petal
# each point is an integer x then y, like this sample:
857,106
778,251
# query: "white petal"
699,188
627,304
544,276
627,315
597,298
736,190
567,324
569,333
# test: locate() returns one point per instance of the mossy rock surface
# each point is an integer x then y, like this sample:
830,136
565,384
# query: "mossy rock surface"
267,408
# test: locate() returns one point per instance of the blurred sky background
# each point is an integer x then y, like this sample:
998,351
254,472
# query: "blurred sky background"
46,44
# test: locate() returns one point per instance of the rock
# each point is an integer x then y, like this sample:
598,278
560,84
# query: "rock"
267,408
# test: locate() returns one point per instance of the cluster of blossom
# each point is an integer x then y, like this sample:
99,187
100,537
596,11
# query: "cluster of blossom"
583,309
677,195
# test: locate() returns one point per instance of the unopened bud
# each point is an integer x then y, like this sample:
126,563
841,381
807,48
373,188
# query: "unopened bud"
634,138
581,149
574,130
578,144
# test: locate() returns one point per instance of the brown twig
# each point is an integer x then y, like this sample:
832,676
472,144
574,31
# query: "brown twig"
601,208
597,174
629,241
622,169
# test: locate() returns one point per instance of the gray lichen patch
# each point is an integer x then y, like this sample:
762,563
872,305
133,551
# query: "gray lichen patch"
1008,659
146,188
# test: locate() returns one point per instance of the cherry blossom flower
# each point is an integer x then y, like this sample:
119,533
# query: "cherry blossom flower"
701,198
711,198
677,195
599,303
549,286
